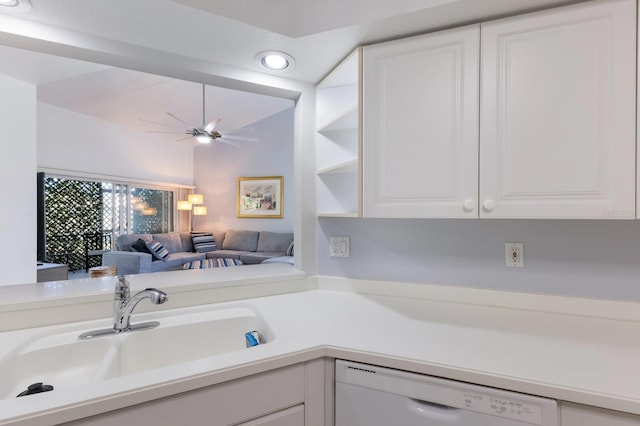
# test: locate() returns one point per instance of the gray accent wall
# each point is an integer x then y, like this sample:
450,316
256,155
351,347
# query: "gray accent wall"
586,258
218,166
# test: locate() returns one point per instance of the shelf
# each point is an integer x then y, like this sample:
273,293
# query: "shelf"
348,120
350,166
337,140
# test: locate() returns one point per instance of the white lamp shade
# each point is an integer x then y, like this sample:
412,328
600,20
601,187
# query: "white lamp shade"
199,210
195,198
184,205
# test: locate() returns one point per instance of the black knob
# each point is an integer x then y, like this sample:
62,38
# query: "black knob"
36,388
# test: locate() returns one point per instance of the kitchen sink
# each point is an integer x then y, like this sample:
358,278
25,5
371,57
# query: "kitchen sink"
183,339
59,360
63,360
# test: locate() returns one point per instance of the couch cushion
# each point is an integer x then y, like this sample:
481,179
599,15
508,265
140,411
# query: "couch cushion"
170,240
157,250
175,261
240,240
185,239
222,254
274,241
124,241
280,259
203,242
252,258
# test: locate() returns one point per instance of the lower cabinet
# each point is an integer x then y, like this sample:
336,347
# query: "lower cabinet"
272,398
583,415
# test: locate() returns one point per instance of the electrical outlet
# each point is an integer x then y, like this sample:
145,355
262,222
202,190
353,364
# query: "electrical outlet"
339,247
514,253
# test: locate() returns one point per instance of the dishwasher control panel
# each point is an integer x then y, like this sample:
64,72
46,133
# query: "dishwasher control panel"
503,407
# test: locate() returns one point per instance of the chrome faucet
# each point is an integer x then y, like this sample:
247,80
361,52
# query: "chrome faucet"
123,306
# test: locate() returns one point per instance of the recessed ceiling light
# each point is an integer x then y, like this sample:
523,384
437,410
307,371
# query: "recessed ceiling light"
274,60
10,3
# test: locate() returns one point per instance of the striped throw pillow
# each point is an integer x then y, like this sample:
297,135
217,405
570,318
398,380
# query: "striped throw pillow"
203,242
157,250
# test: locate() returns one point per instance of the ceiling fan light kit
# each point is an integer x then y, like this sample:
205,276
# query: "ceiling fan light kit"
203,139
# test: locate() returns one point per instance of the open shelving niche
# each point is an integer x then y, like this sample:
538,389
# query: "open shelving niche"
339,140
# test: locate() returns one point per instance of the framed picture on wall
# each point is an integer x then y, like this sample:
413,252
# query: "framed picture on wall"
261,197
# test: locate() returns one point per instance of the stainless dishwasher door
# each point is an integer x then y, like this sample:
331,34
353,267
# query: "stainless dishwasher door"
375,396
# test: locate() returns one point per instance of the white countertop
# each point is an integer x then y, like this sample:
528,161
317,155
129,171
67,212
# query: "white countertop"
532,348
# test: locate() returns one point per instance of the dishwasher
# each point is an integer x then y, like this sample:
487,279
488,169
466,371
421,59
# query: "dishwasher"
368,395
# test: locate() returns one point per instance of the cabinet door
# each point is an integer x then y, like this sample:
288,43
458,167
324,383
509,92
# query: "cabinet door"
420,126
228,403
583,415
558,113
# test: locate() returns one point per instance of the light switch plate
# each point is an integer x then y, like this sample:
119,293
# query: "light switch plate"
339,247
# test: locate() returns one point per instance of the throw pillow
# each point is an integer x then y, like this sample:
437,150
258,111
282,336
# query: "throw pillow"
157,250
203,242
289,251
140,246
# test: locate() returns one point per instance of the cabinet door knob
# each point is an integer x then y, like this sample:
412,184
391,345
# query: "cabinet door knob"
489,205
468,205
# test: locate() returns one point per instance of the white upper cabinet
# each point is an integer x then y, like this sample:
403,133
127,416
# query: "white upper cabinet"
558,96
420,126
338,140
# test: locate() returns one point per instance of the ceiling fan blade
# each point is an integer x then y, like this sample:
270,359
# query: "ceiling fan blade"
239,138
161,131
227,143
154,122
179,119
212,124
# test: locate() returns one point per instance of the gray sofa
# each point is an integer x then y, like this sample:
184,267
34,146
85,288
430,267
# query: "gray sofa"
249,247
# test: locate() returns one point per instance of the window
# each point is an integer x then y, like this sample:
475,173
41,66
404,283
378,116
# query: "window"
86,215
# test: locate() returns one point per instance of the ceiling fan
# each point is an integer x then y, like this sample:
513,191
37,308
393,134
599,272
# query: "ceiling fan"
203,134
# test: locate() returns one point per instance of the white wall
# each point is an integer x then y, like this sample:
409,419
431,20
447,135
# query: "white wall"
588,258
18,174
217,167
71,141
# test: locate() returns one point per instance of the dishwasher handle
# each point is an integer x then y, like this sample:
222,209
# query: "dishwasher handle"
432,410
